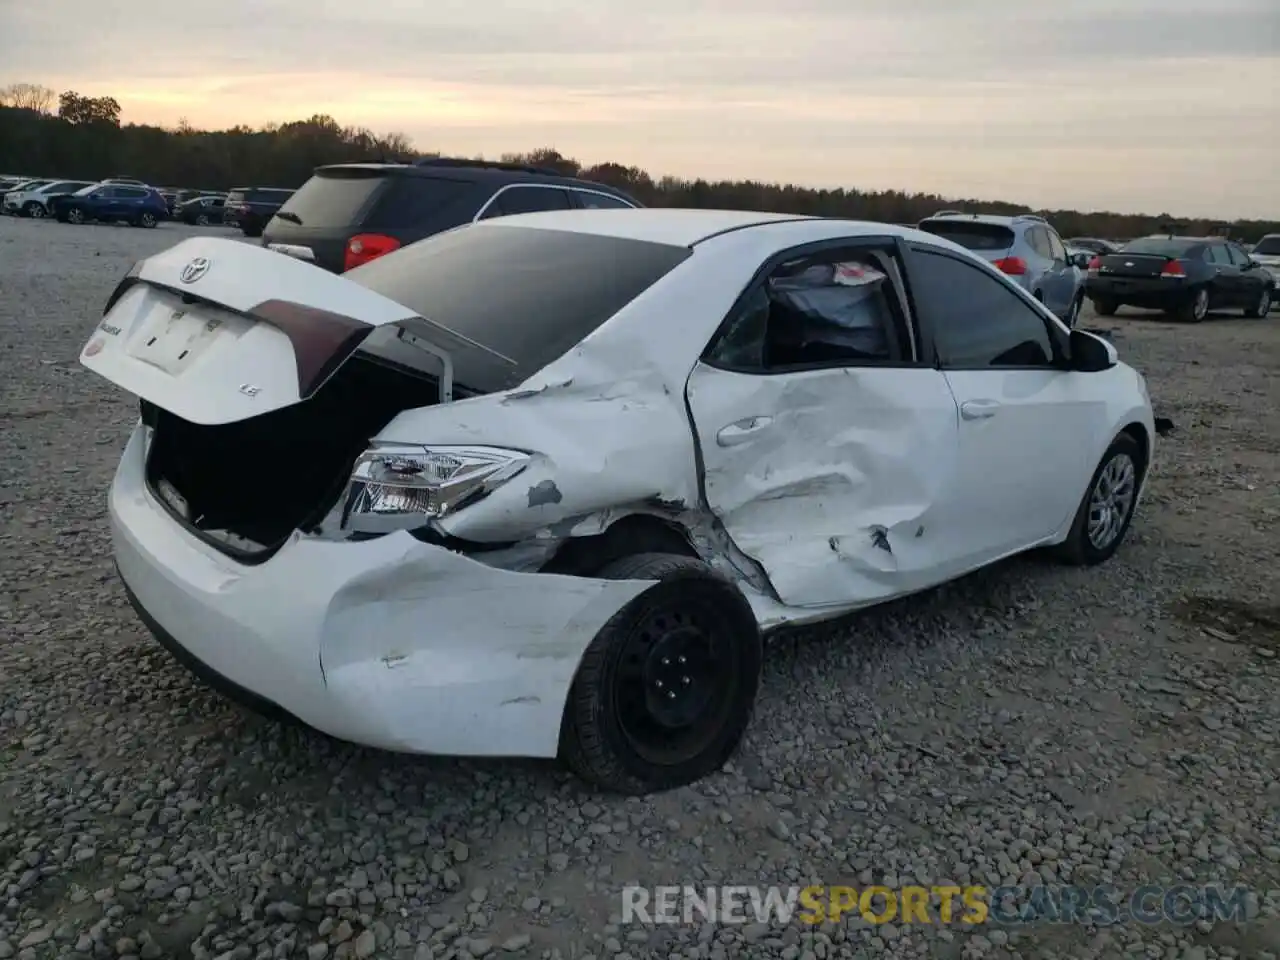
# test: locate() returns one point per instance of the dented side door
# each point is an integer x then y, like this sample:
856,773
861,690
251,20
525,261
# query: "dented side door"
832,480
835,480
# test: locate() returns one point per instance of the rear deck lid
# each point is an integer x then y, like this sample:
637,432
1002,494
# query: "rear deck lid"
216,331
1148,257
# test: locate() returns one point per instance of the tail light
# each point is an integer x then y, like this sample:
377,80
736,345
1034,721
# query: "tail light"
1095,264
1014,266
1173,269
364,247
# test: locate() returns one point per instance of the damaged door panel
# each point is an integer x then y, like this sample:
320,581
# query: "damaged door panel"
837,487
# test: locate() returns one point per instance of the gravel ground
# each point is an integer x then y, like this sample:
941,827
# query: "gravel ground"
1030,723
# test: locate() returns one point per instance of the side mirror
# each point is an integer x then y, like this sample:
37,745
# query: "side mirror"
1090,353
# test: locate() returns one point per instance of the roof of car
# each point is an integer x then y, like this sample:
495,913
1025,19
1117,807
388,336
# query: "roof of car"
688,227
1003,220
476,172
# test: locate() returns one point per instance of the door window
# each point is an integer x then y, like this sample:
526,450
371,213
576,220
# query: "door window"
517,200
1056,249
978,321
1217,253
839,307
1238,256
1038,237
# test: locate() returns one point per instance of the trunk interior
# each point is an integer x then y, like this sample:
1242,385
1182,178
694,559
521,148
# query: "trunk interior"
248,485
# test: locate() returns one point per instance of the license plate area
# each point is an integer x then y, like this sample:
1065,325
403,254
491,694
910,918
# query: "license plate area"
172,336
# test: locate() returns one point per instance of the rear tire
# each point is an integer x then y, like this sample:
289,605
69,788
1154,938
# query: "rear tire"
202,220
1262,307
636,722
1105,308
1195,309
75,215
147,219
1105,512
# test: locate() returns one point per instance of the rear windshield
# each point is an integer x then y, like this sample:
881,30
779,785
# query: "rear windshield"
527,294
1268,246
328,200
1161,246
970,235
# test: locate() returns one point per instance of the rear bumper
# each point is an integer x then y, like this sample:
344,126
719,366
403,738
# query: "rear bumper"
1155,292
390,642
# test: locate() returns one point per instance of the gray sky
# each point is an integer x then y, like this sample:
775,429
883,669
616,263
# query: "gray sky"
1132,105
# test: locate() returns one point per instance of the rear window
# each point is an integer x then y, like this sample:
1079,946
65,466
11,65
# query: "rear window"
971,235
332,201
1268,246
415,201
1161,246
529,295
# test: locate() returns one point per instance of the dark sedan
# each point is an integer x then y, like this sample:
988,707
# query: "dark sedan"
200,211
1184,276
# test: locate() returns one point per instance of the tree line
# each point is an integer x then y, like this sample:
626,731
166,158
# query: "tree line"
81,137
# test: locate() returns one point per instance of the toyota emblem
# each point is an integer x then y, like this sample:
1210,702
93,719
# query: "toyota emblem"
194,270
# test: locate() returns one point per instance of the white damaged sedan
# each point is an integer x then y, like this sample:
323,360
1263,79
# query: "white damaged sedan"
538,486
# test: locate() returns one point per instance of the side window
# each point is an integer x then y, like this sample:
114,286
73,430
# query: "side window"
1038,237
977,320
1238,256
107,193
1056,249
516,200
1217,253
600,201
130,193
839,307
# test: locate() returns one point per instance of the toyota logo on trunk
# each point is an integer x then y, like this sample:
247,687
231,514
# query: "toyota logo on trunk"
194,270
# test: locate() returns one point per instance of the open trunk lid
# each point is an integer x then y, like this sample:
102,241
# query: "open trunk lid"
217,331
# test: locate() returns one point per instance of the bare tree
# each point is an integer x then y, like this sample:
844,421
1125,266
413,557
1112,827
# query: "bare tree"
28,96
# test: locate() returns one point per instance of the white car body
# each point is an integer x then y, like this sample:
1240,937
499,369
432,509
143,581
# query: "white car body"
14,199
816,492
1269,259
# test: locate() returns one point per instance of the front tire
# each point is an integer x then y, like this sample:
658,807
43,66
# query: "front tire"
1195,309
1106,511
147,219
202,220
33,210
75,215
1262,307
1105,308
666,689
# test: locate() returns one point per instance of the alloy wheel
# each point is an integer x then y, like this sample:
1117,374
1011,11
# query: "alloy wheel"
1111,500
1200,306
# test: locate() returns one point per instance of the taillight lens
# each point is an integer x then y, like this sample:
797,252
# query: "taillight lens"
367,246
1014,266
1173,269
1095,264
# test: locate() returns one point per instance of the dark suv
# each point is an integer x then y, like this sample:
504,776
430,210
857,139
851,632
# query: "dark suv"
350,213
249,208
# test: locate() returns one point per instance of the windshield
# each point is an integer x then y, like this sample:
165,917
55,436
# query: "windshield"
971,235
1268,246
1160,246
527,294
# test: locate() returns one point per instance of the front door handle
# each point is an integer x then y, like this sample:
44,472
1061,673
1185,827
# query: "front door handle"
978,409
740,431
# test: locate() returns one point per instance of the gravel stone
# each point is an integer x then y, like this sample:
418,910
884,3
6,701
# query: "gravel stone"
1031,723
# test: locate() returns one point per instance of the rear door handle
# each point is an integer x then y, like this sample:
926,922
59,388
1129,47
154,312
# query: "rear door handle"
740,431
978,409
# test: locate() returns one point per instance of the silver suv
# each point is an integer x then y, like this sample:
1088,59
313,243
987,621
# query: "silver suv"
1026,248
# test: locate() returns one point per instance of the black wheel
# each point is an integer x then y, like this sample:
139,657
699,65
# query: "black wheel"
147,219
202,220
1262,307
75,215
1105,308
666,688
1195,309
1107,508
33,210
